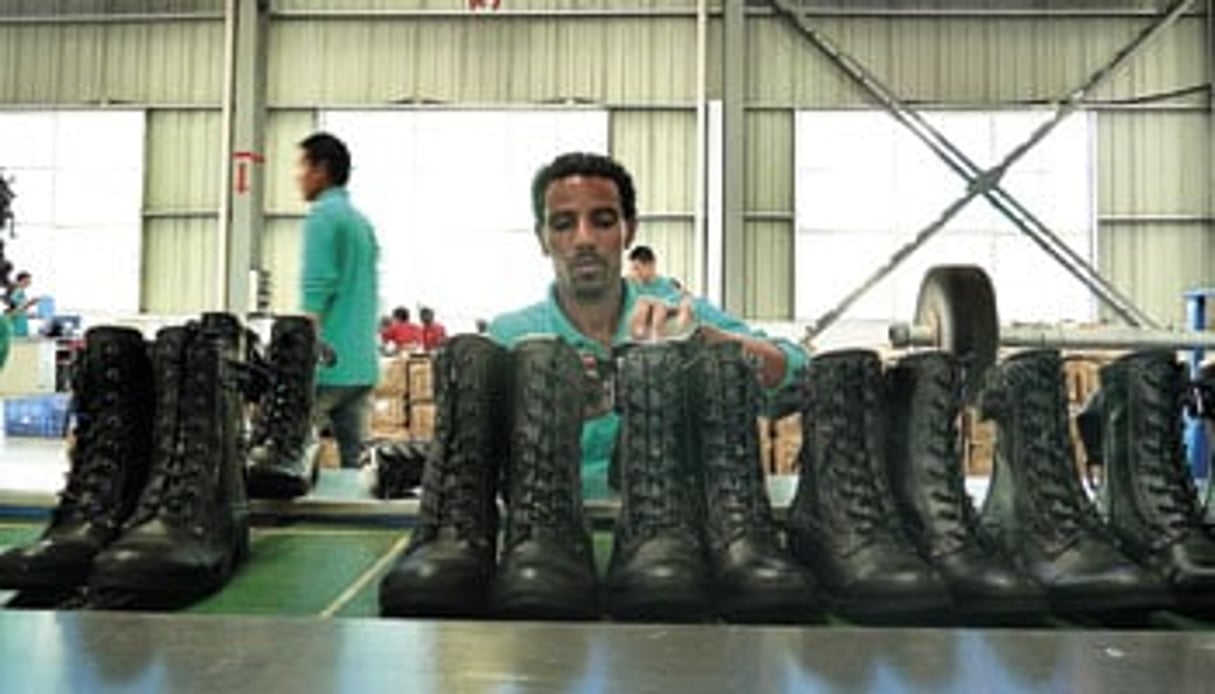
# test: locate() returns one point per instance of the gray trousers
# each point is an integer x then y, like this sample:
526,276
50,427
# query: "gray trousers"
348,411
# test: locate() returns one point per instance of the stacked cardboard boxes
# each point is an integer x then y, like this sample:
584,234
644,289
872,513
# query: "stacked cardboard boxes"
389,415
786,445
421,398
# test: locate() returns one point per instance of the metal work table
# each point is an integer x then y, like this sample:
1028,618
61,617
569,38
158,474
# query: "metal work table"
43,652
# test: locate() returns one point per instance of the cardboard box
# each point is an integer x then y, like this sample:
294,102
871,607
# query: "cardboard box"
391,433
978,443
394,377
422,421
421,379
787,445
388,412
328,456
765,444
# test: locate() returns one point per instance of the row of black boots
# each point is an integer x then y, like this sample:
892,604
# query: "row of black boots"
882,525
883,518
695,536
154,512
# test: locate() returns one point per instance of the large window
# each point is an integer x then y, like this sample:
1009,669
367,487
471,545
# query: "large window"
449,195
865,186
78,176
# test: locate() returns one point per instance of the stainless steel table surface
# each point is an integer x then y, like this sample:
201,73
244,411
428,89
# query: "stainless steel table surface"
94,652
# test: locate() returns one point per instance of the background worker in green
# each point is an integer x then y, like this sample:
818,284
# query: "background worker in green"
339,289
586,217
20,305
643,270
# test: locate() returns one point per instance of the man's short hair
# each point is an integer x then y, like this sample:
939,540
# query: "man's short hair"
427,313
643,254
401,313
323,149
23,276
584,164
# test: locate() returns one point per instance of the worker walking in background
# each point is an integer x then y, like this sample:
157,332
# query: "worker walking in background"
339,289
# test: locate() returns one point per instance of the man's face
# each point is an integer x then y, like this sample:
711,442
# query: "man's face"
311,178
24,282
585,234
643,271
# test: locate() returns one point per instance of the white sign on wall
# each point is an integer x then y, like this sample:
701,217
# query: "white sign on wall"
449,195
78,176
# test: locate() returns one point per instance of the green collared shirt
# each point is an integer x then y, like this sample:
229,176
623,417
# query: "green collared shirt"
599,434
339,283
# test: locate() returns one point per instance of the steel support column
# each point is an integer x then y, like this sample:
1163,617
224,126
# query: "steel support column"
734,153
246,177
986,182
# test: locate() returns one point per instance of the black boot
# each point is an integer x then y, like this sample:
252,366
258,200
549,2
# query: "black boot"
924,400
1148,494
842,522
754,579
547,569
109,464
283,447
1036,508
658,567
191,528
448,567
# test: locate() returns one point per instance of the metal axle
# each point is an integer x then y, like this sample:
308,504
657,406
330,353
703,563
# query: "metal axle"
908,335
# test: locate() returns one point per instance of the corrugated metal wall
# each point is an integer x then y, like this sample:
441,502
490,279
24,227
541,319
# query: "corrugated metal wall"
1154,163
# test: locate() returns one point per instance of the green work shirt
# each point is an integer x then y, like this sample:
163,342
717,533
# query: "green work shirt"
339,283
660,286
20,317
599,434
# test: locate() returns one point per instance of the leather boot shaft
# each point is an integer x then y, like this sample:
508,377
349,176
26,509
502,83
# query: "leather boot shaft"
283,445
112,402
547,568
754,578
448,568
924,397
843,523
1148,495
1037,509
657,569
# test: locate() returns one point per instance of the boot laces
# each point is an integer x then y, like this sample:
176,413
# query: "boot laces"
543,476
655,481
956,513
279,404
1166,477
729,436
847,464
452,483
99,433
1067,511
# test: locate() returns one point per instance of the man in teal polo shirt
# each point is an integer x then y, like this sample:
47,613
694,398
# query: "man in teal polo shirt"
339,290
586,217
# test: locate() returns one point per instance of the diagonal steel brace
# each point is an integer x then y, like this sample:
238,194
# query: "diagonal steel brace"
979,181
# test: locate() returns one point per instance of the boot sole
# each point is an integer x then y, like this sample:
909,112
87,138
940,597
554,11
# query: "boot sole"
679,605
542,607
1099,605
890,611
45,580
274,485
438,606
762,609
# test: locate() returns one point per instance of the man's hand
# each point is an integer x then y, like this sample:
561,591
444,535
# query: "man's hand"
654,319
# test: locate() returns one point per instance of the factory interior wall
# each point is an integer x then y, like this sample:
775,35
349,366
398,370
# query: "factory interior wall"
1153,196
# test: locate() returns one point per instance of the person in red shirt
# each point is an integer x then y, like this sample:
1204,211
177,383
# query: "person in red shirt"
402,333
433,334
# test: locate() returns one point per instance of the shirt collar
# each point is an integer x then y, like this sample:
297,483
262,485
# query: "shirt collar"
332,193
567,329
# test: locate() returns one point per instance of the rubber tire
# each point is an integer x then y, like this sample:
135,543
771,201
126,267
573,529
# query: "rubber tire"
961,302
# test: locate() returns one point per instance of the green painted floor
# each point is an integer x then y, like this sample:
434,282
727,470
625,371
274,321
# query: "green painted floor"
334,570
302,570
